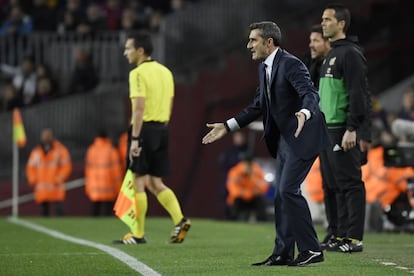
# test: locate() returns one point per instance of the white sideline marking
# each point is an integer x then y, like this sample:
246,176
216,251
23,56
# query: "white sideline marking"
388,263
120,255
409,270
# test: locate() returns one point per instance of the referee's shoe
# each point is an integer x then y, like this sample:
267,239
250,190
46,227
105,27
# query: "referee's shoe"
180,231
130,239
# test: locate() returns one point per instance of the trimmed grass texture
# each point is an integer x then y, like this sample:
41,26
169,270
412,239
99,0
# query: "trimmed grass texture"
211,248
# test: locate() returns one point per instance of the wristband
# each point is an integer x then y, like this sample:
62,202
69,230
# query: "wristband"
227,127
134,138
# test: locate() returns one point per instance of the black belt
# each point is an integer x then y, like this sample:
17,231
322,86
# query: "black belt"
155,123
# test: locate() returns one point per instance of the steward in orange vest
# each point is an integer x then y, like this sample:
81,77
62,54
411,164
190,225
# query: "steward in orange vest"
314,183
48,167
387,185
123,149
384,184
246,189
103,175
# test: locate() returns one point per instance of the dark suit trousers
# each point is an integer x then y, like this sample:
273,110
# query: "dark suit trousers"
292,216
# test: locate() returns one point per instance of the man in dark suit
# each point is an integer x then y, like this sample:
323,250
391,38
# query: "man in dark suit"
294,131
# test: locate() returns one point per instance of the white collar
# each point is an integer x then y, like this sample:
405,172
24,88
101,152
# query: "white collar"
269,60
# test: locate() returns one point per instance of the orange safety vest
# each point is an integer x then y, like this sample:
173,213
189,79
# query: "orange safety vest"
103,175
47,172
122,149
240,185
313,183
374,175
384,184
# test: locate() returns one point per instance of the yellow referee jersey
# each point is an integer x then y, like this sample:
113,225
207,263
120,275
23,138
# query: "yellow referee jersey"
154,82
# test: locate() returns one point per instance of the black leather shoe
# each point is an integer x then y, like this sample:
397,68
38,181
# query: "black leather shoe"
307,257
273,260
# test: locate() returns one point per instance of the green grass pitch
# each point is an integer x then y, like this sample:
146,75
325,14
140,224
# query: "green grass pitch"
211,248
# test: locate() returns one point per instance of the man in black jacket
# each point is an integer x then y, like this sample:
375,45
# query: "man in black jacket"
319,47
344,95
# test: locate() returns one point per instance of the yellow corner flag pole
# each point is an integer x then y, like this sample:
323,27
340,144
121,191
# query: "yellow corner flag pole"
19,140
125,206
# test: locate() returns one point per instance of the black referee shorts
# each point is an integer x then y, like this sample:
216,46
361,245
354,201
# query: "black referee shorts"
154,159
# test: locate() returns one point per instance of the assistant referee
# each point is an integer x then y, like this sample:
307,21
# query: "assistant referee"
151,93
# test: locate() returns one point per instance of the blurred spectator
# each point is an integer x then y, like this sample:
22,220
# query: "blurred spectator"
103,175
380,120
67,23
17,23
84,77
43,71
407,111
70,16
5,7
130,21
10,98
155,21
44,17
93,22
403,130
48,167
24,5
113,11
24,79
247,188
44,90
177,5
402,127
142,13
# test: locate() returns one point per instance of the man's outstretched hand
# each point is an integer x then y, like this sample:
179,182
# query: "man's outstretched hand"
218,130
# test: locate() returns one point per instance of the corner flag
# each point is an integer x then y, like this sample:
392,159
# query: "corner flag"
19,140
125,206
19,135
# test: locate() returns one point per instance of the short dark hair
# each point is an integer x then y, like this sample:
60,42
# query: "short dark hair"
142,40
318,29
269,29
341,13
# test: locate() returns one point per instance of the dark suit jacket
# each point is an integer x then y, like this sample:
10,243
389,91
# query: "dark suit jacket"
291,89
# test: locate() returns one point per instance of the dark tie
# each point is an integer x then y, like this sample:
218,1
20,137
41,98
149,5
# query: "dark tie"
267,82
267,100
